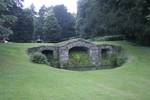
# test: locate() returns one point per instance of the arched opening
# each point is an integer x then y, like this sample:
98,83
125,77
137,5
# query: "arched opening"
81,49
105,57
79,58
48,54
104,53
112,59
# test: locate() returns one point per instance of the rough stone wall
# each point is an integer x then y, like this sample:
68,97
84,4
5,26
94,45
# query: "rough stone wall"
92,50
42,48
61,50
51,48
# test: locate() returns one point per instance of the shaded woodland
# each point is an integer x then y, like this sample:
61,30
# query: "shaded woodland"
95,18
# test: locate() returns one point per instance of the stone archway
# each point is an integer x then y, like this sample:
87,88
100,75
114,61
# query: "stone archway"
61,50
79,48
93,52
48,53
78,56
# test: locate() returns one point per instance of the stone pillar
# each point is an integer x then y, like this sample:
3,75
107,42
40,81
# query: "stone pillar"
55,54
94,55
110,50
100,56
63,56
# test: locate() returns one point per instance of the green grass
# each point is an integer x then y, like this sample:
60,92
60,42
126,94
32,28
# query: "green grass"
22,80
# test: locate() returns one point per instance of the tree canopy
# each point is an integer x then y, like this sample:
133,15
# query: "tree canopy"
109,17
54,23
130,18
6,18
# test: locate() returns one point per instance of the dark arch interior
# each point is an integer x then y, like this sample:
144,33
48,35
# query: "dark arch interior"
104,53
106,58
48,54
79,49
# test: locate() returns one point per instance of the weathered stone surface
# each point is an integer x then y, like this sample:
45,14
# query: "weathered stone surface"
61,50
65,47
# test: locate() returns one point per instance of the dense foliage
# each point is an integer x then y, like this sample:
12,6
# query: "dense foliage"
39,58
109,17
130,18
54,24
49,24
24,27
7,19
65,20
79,59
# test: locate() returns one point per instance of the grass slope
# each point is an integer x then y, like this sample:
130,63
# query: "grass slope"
22,80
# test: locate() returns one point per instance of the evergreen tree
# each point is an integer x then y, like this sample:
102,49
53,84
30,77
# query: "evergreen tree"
65,20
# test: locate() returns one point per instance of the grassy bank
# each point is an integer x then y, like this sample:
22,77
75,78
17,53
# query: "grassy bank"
22,80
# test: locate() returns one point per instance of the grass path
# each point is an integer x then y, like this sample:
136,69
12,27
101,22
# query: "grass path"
22,80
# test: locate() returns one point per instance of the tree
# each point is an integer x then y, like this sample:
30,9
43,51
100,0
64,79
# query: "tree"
52,29
24,27
39,23
109,17
6,18
65,20
58,16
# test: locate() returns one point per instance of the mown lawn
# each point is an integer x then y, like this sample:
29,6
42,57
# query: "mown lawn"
22,80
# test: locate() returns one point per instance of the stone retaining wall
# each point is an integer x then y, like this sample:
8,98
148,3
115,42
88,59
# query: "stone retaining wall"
61,50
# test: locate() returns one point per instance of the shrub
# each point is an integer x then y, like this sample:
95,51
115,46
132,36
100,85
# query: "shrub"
115,38
79,59
109,38
39,58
